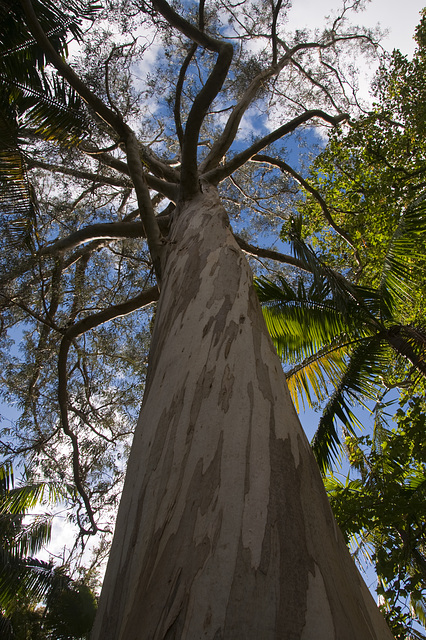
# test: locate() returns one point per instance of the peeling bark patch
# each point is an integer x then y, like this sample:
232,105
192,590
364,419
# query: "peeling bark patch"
286,515
250,394
202,391
226,388
162,598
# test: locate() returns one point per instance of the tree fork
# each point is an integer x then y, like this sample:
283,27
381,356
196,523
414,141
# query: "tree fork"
224,529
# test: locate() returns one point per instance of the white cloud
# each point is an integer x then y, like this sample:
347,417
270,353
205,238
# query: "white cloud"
399,19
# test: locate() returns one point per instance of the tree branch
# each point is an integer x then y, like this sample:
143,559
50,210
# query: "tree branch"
76,173
146,210
178,95
168,189
99,231
110,117
220,173
115,120
259,252
189,173
143,299
286,168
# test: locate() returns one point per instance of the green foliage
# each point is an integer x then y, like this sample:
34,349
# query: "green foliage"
343,336
355,328
27,583
382,512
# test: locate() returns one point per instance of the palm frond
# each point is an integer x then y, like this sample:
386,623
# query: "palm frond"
400,267
306,319
341,290
20,577
358,383
316,374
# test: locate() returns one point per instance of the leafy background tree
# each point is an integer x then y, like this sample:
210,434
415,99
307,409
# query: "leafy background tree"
37,598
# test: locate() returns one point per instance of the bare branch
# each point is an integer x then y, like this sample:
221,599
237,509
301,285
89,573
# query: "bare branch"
189,172
168,189
76,173
143,299
100,231
105,113
275,14
220,173
259,252
124,308
179,87
146,210
286,168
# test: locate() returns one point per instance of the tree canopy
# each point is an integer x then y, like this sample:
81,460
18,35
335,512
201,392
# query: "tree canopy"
158,103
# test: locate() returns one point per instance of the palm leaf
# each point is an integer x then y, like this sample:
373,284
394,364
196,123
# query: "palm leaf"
29,97
23,577
358,383
20,572
401,267
315,374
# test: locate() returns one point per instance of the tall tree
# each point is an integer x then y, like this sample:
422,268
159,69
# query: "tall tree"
224,528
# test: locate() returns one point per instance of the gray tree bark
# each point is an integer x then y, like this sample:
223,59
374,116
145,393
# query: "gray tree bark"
224,529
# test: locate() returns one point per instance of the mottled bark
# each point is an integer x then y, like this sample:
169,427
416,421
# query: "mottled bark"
224,529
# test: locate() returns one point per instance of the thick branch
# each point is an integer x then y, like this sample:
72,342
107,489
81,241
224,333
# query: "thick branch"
179,87
123,309
221,146
103,230
189,172
115,120
181,78
275,14
146,210
109,116
189,30
224,142
217,175
168,189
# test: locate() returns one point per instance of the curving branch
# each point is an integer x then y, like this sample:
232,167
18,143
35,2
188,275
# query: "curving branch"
99,231
77,329
181,78
34,163
225,140
286,168
270,254
178,95
168,189
146,210
189,184
105,113
275,13
220,173
116,122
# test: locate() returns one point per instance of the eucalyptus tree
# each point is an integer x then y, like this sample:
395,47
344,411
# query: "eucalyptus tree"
224,529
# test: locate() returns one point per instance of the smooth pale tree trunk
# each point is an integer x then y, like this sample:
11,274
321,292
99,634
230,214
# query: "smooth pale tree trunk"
224,529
